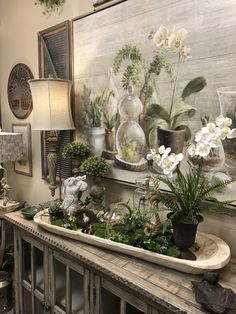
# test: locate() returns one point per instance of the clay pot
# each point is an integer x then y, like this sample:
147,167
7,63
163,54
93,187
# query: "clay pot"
110,140
171,138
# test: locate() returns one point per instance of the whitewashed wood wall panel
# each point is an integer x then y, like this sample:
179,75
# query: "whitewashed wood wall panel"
212,38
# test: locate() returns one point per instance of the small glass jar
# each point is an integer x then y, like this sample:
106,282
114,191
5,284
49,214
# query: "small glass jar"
141,195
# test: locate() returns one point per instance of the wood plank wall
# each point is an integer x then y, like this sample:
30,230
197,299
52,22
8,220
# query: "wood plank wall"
212,38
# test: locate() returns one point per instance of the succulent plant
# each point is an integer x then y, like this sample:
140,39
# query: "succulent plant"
76,149
95,166
50,5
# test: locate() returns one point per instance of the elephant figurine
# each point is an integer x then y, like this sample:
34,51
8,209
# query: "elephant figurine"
72,191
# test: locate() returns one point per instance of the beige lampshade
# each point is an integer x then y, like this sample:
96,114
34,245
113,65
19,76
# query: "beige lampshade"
11,146
51,104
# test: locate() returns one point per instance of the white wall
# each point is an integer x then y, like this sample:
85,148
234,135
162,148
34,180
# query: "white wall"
20,20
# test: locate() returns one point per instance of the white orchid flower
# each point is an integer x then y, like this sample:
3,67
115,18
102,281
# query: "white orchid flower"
191,150
157,159
232,134
164,151
211,126
178,41
214,143
151,154
186,53
202,149
225,131
221,121
160,37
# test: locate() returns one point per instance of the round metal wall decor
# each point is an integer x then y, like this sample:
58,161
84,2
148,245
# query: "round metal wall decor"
19,93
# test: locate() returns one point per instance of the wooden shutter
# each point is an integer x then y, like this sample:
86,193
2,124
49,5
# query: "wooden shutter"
55,58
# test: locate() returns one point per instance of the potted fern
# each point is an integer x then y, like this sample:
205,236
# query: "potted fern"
191,189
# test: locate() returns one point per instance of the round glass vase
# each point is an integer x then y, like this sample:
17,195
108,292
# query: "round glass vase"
227,99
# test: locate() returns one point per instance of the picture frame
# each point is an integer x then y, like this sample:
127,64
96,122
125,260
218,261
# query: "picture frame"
24,166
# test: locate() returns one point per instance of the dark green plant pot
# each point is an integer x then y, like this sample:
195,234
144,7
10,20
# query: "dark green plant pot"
184,234
171,138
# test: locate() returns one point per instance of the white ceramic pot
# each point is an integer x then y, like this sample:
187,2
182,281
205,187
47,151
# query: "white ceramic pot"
96,139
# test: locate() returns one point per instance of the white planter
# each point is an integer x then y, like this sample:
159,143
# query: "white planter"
96,139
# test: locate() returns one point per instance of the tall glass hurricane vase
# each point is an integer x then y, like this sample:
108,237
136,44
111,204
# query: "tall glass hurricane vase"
227,98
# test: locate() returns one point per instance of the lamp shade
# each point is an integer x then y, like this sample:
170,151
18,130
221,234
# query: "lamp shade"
11,146
51,104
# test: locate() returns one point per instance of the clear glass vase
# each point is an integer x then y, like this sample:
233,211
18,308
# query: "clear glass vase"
227,98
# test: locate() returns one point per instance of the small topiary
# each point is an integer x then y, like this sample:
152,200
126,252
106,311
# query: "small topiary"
76,150
95,166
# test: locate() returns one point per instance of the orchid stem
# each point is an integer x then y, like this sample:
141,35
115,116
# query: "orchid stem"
173,94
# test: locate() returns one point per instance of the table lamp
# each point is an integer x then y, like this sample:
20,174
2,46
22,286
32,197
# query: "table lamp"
11,149
51,112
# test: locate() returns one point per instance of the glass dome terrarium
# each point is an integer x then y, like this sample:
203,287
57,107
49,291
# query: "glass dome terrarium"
130,137
227,98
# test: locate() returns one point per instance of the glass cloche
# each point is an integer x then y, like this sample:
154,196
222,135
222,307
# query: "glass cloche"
130,137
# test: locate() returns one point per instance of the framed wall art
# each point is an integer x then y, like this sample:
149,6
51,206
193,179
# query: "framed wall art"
24,166
55,58
18,91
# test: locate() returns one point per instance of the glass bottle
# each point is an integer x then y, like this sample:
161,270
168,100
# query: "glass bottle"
130,137
141,196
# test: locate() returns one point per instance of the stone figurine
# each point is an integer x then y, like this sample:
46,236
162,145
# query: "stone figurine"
72,191
212,296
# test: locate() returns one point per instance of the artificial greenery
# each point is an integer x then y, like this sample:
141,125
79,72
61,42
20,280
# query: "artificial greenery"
76,149
94,108
50,5
192,194
132,229
110,122
95,166
169,120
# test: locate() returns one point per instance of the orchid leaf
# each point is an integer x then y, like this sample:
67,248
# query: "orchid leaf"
194,86
180,109
157,111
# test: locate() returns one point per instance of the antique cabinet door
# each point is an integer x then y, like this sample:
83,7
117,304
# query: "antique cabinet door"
116,299
68,286
31,281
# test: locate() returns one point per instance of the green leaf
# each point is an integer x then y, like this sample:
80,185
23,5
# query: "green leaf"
194,86
157,111
180,109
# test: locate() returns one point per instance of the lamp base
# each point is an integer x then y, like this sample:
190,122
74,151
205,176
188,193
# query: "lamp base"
10,206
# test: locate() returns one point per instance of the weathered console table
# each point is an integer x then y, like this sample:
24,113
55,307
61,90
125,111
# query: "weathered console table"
57,275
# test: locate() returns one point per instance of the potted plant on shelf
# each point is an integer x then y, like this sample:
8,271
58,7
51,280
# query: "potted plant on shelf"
191,190
93,118
97,167
170,131
78,152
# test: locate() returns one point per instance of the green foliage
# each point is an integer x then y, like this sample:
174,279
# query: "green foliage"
95,166
76,150
132,232
110,122
129,150
194,86
50,5
189,194
132,73
160,61
95,108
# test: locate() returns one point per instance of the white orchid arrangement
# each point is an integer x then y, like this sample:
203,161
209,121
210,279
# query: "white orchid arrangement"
166,160
210,137
174,40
